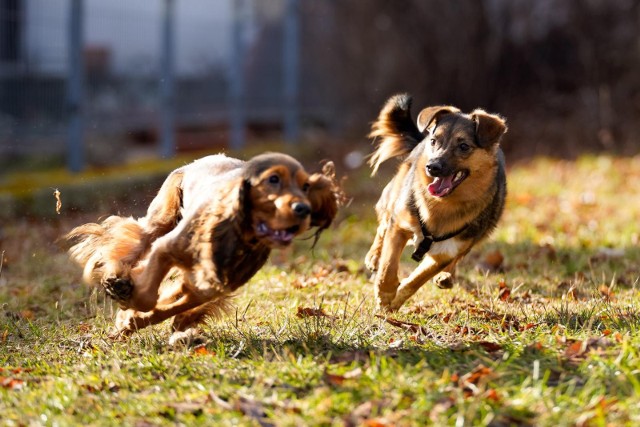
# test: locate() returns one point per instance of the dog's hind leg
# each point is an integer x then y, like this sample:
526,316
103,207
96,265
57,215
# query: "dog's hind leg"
189,304
386,281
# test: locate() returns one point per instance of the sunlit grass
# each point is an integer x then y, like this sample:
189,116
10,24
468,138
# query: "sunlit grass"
561,349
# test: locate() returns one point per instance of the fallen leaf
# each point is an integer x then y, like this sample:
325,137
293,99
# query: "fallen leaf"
411,327
492,395
312,312
578,349
529,326
489,346
336,379
378,422
201,350
470,381
504,292
607,293
11,383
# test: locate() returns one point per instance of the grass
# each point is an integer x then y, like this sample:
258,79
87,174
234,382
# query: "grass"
551,338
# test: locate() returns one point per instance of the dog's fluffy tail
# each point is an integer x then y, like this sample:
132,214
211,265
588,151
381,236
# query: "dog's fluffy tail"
107,249
395,130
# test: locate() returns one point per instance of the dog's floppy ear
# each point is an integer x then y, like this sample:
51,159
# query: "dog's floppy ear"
325,196
243,209
489,127
430,114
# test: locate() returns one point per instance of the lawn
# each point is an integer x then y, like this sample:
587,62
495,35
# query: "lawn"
541,329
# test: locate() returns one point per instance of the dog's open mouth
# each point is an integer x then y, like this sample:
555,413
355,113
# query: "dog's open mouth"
281,237
444,185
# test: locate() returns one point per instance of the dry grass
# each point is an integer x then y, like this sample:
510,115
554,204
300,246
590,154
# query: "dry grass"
549,338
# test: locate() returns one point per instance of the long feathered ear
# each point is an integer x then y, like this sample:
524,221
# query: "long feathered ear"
489,127
243,211
430,114
325,196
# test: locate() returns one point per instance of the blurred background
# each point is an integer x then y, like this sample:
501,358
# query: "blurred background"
91,83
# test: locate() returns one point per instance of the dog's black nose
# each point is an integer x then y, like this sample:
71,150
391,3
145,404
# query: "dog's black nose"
434,168
302,210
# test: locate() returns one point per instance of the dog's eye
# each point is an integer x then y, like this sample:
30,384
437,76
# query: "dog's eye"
464,147
305,187
274,179
433,142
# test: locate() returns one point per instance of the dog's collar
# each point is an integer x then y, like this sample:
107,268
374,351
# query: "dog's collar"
429,239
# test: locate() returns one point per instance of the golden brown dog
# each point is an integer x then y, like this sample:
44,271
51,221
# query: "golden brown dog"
447,194
217,221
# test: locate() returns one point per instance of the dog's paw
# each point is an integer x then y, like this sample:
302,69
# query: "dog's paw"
383,301
371,261
189,337
119,289
444,280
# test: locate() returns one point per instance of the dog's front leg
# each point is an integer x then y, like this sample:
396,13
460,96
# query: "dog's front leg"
440,256
386,280
372,260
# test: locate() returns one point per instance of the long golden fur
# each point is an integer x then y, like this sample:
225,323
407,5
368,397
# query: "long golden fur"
447,194
213,224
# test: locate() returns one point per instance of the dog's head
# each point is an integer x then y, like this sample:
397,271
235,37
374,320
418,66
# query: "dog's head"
458,147
281,200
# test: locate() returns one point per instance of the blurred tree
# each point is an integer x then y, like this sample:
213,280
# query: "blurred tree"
564,71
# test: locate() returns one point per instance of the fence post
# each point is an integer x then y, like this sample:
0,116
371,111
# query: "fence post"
291,65
236,76
167,125
75,87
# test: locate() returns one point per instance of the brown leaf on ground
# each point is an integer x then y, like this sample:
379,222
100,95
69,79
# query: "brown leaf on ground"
504,292
201,350
379,422
470,381
411,327
492,395
489,346
312,312
336,379
578,349
11,383
607,293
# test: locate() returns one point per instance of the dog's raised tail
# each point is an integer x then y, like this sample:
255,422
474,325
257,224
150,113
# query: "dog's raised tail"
107,248
394,131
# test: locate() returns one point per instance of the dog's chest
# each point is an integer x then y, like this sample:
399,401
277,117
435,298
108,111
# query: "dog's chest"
236,266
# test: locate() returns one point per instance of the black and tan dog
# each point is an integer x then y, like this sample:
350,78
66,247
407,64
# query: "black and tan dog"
214,222
447,194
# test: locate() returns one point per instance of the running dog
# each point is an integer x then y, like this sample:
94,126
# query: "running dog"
213,223
447,195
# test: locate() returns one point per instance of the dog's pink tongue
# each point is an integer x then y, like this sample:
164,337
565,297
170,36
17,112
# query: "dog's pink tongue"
441,186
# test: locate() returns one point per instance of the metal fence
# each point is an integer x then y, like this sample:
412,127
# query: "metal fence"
89,80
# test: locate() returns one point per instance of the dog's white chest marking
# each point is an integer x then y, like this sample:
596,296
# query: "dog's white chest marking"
449,247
